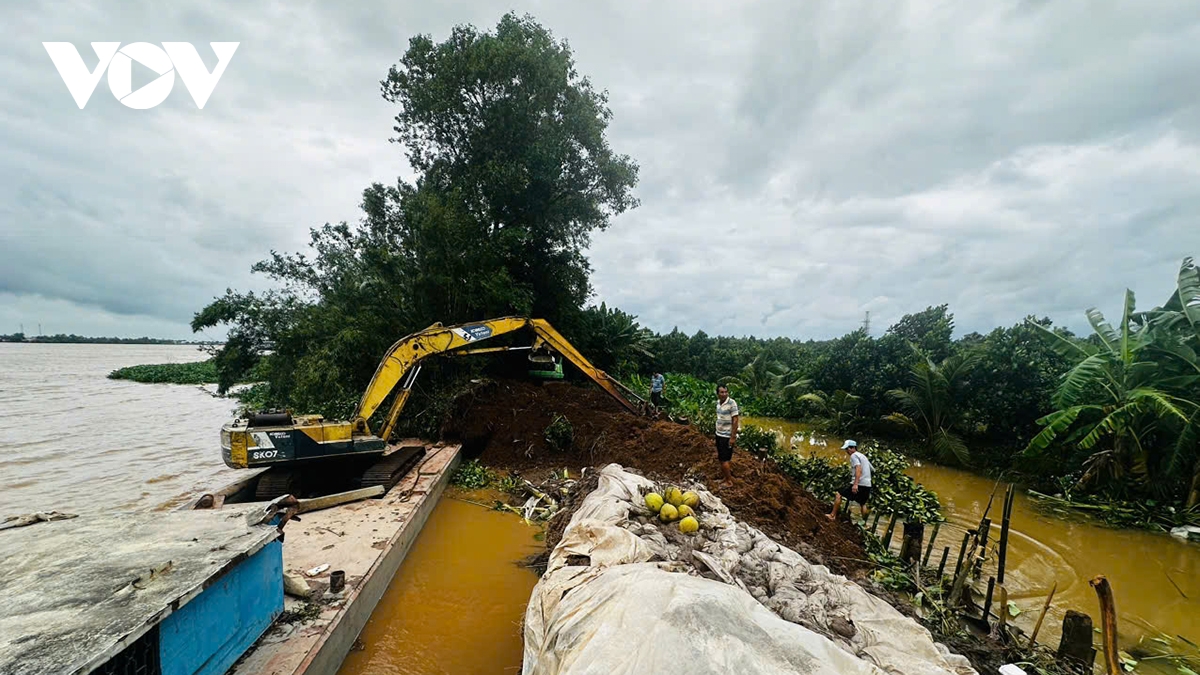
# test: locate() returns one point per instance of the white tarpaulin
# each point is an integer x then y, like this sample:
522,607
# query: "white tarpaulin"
624,593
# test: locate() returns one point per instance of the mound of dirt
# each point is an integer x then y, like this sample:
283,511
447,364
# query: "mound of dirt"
503,424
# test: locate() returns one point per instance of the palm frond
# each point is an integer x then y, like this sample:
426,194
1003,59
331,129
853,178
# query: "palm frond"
950,446
902,420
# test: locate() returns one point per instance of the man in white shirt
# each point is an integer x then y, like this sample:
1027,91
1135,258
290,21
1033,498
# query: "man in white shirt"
727,430
859,489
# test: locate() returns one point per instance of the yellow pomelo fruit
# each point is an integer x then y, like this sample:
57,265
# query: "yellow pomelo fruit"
689,525
691,499
654,501
668,513
674,496
684,510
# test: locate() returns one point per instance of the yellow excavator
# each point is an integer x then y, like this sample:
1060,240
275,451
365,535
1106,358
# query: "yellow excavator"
349,452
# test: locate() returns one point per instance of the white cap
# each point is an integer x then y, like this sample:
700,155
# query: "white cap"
849,444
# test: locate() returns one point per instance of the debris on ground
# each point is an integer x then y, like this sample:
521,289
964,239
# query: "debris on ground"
504,425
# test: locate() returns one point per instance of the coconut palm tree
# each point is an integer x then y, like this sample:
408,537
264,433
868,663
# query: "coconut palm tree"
930,406
839,410
766,376
1130,389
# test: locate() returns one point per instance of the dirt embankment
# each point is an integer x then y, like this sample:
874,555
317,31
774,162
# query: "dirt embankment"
503,425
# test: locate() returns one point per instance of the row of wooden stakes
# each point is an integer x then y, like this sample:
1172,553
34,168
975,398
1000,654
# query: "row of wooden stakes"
1075,646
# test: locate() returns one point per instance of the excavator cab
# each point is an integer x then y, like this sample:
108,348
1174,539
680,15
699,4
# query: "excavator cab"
545,365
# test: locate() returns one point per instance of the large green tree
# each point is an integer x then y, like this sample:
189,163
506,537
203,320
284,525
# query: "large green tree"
504,130
514,174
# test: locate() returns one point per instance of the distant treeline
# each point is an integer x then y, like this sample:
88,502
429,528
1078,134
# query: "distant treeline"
61,338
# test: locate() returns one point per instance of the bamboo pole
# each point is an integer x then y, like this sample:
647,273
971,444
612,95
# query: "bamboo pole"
962,551
875,523
1108,623
942,565
1004,526
1002,612
1038,626
887,537
987,603
929,548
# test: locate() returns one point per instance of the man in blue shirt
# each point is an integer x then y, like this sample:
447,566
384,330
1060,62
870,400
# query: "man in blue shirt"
656,389
727,431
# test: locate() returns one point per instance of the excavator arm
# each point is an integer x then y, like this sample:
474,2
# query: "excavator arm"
402,363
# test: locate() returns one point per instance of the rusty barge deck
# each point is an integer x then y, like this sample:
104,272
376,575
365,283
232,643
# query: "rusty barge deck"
367,540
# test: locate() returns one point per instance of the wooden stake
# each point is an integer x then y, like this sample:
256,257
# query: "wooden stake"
962,551
1108,623
1002,612
1038,626
887,537
929,548
987,603
1004,525
875,523
942,565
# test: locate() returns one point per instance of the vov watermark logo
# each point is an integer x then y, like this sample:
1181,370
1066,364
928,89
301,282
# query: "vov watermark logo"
171,58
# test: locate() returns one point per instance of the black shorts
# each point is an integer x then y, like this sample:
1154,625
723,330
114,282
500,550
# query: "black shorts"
656,398
862,496
724,452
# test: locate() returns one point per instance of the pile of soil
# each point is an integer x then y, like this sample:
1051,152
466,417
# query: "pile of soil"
504,422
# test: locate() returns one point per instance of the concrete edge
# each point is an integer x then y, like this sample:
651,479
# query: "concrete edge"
326,657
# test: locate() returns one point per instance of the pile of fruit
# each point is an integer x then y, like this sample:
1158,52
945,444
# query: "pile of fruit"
676,506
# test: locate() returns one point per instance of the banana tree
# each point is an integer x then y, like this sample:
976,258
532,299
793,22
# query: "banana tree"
1127,391
930,406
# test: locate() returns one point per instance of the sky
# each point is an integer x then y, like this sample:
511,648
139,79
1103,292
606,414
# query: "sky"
801,163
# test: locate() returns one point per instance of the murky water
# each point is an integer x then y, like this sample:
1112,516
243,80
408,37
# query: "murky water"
1043,550
457,603
72,440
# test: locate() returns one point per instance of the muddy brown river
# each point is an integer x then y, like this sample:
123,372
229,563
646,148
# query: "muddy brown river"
1155,577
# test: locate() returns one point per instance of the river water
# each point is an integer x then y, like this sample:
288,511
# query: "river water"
1155,577
72,440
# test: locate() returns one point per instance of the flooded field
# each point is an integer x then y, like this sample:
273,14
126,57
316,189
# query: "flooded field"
1155,577
73,440
456,605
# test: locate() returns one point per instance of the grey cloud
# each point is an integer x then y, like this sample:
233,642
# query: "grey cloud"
801,163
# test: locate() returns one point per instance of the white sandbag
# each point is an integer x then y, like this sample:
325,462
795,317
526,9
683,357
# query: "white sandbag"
760,607
636,619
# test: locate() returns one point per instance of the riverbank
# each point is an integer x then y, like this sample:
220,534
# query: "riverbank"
1156,578
504,426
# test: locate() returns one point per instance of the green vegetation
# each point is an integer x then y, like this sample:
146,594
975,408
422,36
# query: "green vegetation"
473,475
514,174
560,435
192,372
196,372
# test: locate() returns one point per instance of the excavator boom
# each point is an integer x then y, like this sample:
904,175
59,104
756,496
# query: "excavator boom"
402,362
282,441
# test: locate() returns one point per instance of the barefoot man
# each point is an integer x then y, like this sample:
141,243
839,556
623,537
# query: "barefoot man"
727,430
859,489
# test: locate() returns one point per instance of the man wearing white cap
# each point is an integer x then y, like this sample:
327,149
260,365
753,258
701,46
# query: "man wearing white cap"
859,489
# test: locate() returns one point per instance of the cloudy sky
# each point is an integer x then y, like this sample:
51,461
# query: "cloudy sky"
802,163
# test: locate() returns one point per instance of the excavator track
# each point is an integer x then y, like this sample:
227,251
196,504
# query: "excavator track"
389,470
276,483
